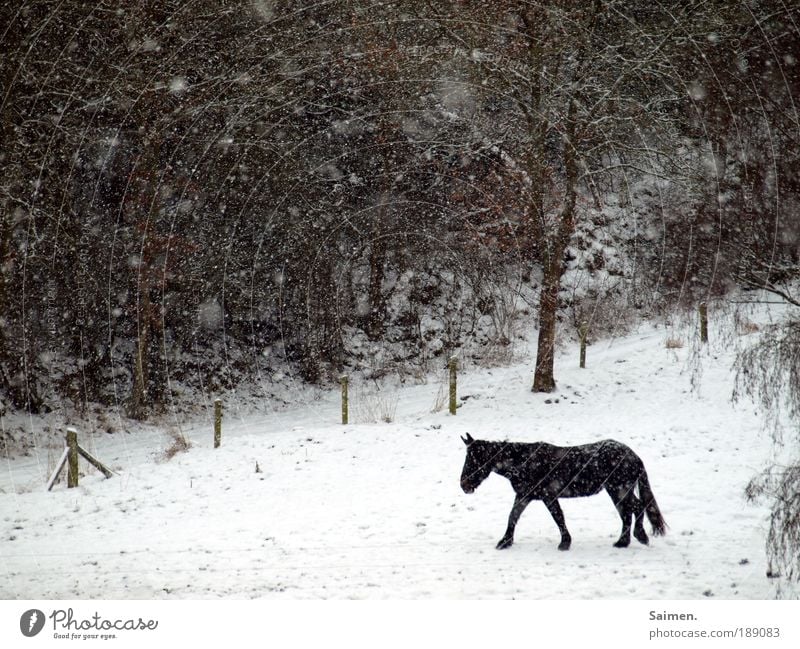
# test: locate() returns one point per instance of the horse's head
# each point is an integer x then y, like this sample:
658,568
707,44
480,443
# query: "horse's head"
478,464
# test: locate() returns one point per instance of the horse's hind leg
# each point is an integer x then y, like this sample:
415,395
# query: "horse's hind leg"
621,497
558,516
638,516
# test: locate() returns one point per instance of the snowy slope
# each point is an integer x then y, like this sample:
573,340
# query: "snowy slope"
375,510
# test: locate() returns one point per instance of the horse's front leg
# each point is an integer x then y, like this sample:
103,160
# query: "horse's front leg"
520,503
558,516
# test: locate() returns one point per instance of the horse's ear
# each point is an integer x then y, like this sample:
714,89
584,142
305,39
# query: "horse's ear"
468,439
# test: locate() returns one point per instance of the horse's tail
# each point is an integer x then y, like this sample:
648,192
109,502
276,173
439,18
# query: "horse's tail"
650,506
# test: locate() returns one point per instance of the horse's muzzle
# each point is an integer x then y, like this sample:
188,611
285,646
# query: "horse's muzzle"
467,488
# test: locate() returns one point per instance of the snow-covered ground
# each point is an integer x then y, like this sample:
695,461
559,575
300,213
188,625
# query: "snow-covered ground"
374,510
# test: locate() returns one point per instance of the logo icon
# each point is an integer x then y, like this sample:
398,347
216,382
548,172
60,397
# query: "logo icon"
31,622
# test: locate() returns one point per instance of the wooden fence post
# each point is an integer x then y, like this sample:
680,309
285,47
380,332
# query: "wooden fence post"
217,422
97,464
344,381
584,332
59,467
72,458
703,322
452,364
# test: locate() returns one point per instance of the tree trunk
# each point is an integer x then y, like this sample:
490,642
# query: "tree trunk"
139,400
323,339
543,380
12,39
556,246
5,247
149,274
377,262
378,244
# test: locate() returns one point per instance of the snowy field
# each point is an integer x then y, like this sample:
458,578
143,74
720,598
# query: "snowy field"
374,510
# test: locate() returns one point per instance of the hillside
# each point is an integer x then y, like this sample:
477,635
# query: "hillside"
374,510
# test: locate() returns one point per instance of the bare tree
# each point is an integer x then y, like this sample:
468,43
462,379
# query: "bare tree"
769,373
587,91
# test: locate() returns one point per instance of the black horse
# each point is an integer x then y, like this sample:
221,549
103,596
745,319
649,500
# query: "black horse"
541,471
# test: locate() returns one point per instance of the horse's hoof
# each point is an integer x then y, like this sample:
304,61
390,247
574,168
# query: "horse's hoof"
564,545
643,540
622,544
504,543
